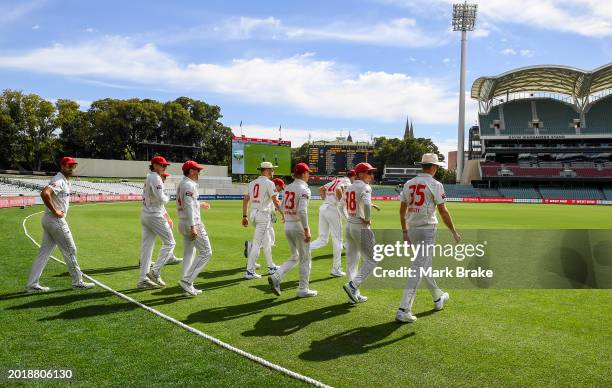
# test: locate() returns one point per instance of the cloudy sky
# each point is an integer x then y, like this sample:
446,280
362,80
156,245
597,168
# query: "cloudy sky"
315,67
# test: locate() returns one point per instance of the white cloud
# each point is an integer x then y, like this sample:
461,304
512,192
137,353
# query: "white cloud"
35,27
523,52
315,87
446,60
90,30
508,51
592,18
401,32
527,53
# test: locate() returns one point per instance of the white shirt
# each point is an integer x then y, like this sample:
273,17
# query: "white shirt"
61,188
153,194
295,203
187,204
422,194
330,190
357,196
261,191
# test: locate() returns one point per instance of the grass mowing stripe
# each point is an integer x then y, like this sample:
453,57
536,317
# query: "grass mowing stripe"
168,318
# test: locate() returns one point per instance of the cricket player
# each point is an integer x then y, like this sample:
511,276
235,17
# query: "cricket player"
297,231
330,219
173,259
419,199
263,199
359,236
56,196
279,186
191,227
155,222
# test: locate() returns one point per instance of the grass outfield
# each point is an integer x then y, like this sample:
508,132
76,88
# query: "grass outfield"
483,337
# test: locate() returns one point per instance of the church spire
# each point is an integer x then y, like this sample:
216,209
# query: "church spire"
408,134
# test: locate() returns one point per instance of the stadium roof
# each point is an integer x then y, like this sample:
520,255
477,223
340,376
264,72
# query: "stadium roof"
566,80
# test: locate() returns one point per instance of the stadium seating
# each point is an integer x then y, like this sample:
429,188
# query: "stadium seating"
489,193
608,193
384,191
570,193
517,116
556,117
460,191
9,190
599,118
519,192
486,121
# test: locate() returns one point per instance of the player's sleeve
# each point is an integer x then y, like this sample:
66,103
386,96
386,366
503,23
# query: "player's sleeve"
190,203
402,195
439,194
157,187
57,186
366,198
303,207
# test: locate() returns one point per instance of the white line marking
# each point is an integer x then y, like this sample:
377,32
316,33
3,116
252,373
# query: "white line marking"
193,330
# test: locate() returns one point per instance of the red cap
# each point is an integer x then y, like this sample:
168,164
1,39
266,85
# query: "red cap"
351,173
188,165
160,160
364,167
301,168
165,174
68,160
279,182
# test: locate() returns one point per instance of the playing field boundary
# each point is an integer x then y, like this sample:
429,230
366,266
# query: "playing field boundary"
193,330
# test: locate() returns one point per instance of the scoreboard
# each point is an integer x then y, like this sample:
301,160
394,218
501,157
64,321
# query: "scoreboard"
336,159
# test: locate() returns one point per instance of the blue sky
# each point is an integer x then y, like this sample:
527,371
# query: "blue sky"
316,67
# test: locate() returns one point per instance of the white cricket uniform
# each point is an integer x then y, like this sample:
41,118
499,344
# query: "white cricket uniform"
188,208
261,191
295,210
359,236
330,220
422,194
154,224
56,233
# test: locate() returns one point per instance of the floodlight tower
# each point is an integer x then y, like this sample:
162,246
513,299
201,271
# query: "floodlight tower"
464,18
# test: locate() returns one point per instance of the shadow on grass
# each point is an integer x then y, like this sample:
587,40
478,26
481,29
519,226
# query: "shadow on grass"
226,313
359,340
109,308
290,285
23,294
97,271
74,296
286,324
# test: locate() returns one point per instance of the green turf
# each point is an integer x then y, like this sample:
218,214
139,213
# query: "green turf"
483,337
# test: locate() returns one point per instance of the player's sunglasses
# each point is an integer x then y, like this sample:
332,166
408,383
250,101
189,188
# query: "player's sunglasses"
370,172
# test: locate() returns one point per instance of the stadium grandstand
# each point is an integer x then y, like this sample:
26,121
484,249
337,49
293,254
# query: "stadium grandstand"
543,132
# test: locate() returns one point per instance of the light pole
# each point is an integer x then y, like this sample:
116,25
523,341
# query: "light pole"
464,18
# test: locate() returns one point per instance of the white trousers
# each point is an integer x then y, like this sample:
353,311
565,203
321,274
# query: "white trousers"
154,225
191,267
330,222
55,233
426,237
300,253
262,238
359,244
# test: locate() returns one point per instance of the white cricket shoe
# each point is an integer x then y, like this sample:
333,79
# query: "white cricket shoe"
188,288
272,270
197,290
405,316
337,272
439,304
146,284
251,275
174,260
83,285
351,291
274,282
155,278
36,288
307,293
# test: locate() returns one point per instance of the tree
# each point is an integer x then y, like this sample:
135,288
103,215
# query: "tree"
11,127
299,154
76,133
39,126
